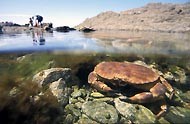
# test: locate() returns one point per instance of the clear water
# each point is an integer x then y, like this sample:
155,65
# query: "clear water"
107,41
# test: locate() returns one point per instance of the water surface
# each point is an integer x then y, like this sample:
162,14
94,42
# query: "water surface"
100,41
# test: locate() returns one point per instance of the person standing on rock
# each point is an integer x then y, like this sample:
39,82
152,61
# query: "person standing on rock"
30,22
38,20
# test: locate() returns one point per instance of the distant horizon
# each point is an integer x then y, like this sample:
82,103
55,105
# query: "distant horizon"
67,12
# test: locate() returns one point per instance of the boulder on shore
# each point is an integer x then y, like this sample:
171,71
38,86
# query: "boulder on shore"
86,30
64,29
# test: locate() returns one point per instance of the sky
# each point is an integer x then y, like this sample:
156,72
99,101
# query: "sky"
66,12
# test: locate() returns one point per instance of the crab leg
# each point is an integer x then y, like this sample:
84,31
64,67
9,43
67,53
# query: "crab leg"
92,79
163,111
168,86
156,92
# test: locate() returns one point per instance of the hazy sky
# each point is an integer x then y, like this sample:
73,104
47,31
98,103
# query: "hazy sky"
66,12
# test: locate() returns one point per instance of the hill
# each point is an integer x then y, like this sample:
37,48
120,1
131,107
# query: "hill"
152,17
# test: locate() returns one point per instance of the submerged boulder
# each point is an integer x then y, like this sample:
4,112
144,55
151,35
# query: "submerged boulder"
134,113
100,112
50,75
178,115
60,91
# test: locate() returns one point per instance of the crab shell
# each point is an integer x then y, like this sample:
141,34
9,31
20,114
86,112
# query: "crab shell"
128,73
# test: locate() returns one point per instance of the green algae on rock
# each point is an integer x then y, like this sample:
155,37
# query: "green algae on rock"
100,112
134,113
178,115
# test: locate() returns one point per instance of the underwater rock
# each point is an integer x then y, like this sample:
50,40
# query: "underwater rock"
85,120
79,93
100,112
60,91
97,95
74,111
179,74
14,92
178,115
50,75
182,98
134,113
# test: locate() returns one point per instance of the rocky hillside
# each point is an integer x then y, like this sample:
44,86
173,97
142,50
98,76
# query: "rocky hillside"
152,17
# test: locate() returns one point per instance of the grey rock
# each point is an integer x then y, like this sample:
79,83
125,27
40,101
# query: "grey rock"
61,91
79,93
85,120
179,74
134,113
68,119
50,75
178,115
73,109
100,112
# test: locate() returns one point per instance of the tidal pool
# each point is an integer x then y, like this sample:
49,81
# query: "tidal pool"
24,55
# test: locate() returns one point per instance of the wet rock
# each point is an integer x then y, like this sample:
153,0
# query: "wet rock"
181,98
86,30
178,115
179,74
61,91
64,29
100,112
50,75
79,93
97,95
74,111
68,119
14,92
85,120
134,113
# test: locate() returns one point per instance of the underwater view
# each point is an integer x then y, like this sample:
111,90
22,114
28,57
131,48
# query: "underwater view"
95,62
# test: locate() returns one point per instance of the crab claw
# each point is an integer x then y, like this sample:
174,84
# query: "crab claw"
92,79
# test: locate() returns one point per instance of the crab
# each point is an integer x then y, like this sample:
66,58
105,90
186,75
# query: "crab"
107,75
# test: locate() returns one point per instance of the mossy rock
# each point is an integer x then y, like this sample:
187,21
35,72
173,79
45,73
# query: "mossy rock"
100,112
134,113
178,115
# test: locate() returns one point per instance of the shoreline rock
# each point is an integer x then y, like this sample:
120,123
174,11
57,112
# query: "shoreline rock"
155,17
64,29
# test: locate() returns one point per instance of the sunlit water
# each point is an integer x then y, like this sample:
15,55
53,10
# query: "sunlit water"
107,41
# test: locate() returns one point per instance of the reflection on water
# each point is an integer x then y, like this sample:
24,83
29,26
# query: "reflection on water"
38,37
99,41
143,42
